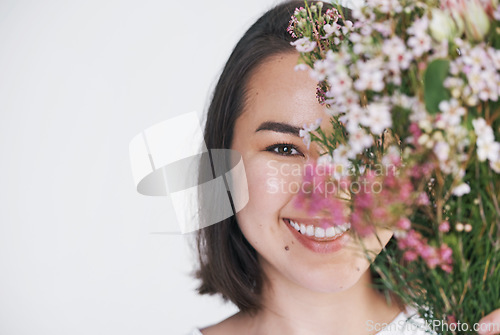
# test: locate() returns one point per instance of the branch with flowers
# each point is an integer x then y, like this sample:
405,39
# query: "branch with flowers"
412,92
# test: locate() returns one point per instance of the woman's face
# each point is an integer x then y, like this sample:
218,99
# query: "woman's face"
280,101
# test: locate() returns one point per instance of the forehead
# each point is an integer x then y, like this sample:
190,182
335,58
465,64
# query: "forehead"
277,92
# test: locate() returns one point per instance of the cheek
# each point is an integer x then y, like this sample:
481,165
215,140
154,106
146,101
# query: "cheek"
271,185
270,188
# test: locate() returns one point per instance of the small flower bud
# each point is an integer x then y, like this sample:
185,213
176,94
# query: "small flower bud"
429,144
422,140
438,136
442,26
477,23
425,125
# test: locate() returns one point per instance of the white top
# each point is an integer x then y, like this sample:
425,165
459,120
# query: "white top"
399,326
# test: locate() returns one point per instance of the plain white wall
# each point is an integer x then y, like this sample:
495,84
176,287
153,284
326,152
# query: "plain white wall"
79,79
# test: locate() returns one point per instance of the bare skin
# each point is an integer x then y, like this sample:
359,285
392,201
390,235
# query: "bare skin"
307,292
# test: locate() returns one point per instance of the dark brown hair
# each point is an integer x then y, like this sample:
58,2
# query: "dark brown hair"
228,264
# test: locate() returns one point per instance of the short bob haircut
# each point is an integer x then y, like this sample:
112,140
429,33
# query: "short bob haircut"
228,264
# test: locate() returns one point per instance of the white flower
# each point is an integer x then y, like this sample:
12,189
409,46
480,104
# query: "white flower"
301,67
495,165
488,150
305,132
420,41
479,125
370,76
397,52
355,38
306,137
343,103
329,29
304,44
342,154
386,6
320,71
452,112
340,83
461,189
385,28
359,140
377,117
324,160
347,27
352,119
419,44
419,27
496,13
483,131
442,150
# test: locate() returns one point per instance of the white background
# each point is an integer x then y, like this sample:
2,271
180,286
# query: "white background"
78,80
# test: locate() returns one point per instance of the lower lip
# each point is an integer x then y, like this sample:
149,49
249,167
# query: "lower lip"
321,247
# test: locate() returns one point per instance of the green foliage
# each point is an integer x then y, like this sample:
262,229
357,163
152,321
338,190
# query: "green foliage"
434,91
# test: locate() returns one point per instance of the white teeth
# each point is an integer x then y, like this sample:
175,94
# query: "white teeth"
344,227
310,230
330,231
319,232
302,228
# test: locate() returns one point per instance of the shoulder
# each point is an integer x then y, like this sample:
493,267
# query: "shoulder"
230,326
408,322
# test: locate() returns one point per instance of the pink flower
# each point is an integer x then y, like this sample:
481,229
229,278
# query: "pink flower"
404,224
444,227
413,239
410,256
432,262
426,251
423,199
446,253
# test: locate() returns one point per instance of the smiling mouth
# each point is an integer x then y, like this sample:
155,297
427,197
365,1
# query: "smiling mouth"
316,233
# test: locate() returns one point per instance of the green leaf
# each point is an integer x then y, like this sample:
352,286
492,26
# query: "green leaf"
434,91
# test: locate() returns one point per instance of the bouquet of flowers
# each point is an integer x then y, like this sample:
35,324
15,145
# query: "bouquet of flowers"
412,91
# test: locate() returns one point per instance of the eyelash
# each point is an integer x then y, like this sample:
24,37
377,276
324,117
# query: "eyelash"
272,148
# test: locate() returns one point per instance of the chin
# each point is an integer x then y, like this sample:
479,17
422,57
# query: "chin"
331,278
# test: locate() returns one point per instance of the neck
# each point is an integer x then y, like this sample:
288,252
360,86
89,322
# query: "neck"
291,309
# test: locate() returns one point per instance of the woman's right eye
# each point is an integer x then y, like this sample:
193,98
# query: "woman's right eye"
284,149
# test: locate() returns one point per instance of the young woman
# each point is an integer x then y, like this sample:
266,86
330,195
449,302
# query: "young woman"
283,281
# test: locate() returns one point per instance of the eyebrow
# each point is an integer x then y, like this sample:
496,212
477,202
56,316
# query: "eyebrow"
279,127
